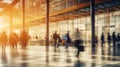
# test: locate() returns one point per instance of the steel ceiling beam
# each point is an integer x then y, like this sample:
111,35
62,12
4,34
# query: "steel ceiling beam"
6,9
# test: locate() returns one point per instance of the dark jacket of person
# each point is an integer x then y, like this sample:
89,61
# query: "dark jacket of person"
68,38
59,38
109,37
114,38
118,37
102,38
55,36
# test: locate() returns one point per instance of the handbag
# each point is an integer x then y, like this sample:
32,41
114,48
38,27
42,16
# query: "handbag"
78,41
81,47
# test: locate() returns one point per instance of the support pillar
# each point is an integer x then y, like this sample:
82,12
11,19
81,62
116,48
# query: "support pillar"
47,24
92,10
23,6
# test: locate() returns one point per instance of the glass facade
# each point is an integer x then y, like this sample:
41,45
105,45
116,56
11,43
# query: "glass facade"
84,24
35,12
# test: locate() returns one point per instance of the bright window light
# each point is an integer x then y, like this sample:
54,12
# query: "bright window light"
7,1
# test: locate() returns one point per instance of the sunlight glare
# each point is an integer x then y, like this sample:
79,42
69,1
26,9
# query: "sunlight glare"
7,1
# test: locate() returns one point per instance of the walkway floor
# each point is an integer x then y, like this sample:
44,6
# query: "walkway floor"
38,56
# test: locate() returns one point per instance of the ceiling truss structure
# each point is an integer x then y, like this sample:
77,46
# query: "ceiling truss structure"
69,12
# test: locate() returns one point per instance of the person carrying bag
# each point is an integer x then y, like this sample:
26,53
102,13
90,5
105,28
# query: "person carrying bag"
78,42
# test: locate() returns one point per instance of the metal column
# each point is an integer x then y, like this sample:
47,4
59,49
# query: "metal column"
23,8
92,10
47,23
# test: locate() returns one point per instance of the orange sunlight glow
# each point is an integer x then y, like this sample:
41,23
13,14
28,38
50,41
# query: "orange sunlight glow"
7,1
3,23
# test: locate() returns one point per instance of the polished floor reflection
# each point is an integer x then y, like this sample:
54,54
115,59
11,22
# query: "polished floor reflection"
38,56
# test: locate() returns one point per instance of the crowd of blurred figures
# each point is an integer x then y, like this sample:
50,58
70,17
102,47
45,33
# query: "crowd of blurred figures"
56,39
66,39
13,39
77,41
115,39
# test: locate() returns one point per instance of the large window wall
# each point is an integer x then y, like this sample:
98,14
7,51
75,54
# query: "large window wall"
84,24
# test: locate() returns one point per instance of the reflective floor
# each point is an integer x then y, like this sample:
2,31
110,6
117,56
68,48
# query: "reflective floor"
38,56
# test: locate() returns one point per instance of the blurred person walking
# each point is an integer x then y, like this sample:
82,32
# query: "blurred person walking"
55,37
68,41
78,42
114,39
118,39
109,39
4,39
24,37
13,39
102,39
59,40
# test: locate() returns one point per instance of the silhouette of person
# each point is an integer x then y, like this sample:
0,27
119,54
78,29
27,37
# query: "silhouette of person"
24,37
118,39
4,39
77,41
109,39
55,37
114,38
102,39
68,40
59,40
13,39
